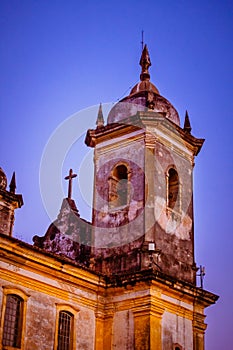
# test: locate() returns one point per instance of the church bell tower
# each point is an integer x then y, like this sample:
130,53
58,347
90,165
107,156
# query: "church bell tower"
143,223
143,191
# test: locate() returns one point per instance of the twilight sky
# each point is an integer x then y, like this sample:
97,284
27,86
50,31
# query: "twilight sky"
60,57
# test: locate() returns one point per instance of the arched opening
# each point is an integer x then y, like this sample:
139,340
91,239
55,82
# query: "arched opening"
173,197
118,186
177,347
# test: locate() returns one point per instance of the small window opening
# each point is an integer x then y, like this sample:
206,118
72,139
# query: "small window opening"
65,330
118,186
173,189
12,321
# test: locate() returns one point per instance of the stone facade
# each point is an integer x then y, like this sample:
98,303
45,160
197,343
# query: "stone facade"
48,282
141,310
127,279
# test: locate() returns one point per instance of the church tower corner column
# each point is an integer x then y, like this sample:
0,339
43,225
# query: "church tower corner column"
148,329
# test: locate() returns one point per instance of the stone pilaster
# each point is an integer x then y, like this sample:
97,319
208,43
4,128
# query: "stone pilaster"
147,326
199,328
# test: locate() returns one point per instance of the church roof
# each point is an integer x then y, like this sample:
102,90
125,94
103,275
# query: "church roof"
144,96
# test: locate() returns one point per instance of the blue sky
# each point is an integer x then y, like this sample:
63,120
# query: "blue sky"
60,57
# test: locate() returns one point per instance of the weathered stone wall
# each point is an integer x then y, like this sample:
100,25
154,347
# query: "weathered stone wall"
69,235
148,154
131,155
9,201
174,227
6,218
140,311
41,320
118,231
123,331
176,330
44,296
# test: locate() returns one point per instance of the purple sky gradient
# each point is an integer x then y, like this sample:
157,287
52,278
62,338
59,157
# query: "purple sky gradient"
60,57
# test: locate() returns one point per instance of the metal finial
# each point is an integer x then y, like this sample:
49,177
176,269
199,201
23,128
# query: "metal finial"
145,63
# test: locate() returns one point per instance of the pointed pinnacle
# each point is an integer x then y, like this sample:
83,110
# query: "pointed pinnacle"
145,63
13,183
100,117
187,125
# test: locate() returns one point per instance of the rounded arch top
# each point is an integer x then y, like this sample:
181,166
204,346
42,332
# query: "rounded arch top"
171,167
121,170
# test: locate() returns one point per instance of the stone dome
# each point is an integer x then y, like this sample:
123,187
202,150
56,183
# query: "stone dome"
3,180
144,85
143,97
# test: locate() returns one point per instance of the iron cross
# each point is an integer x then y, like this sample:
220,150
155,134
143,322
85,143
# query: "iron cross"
70,178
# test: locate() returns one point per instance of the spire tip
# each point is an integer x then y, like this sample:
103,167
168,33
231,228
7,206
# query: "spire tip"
100,117
187,125
13,183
